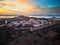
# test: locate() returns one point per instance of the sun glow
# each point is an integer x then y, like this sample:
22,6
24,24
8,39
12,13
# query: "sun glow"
18,6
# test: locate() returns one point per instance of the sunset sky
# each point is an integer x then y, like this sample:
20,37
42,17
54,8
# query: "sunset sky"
27,6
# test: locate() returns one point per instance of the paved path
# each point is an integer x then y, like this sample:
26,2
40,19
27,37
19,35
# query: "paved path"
41,27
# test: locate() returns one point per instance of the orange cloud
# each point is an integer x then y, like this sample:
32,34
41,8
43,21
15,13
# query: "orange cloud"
20,1
5,11
26,6
19,6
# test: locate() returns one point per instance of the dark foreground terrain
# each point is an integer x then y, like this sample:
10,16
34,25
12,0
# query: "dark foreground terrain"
47,36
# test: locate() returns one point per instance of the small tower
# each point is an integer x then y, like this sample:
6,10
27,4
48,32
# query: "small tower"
6,21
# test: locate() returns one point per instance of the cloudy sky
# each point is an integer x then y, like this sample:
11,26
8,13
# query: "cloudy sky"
28,6
47,3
